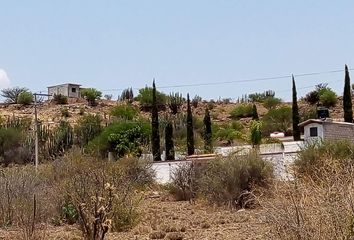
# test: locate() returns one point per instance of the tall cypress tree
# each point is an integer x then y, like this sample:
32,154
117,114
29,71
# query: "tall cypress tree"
170,150
208,145
347,98
296,116
254,112
155,135
190,135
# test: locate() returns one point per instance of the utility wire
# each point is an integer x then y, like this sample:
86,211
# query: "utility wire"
238,81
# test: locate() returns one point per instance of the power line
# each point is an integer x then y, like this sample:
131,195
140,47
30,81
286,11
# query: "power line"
238,81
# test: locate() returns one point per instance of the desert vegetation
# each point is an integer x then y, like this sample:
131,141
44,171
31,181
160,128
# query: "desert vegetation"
96,176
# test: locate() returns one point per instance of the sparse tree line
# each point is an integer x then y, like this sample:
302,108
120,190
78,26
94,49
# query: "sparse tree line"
173,121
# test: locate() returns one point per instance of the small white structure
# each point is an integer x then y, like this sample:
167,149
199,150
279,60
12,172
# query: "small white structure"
69,90
326,129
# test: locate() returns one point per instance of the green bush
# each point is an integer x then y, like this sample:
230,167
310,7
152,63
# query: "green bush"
229,134
122,138
25,98
12,147
260,97
11,94
328,98
145,99
91,95
60,99
323,95
124,112
242,111
271,102
277,120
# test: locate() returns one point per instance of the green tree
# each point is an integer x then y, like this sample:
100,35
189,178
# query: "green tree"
169,145
124,112
208,144
155,135
254,112
271,102
277,120
91,95
25,98
190,134
11,94
328,98
256,136
347,98
296,116
145,99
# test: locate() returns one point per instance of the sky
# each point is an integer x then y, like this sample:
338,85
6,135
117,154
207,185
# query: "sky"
114,44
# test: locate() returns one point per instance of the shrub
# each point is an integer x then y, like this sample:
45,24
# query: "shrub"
271,102
317,204
224,180
229,132
145,99
328,98
91,95
227,178
306,114
122,138
88,127
277,120
242,111
12,149
65,112
11,94
256,136
312,97
25,98
60,99
103,192
184,184
322,94
314,160
124,112
260,97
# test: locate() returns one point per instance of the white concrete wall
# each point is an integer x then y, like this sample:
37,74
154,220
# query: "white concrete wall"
65,90
281,158
307,137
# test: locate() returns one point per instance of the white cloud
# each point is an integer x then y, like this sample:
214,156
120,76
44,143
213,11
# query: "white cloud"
4,79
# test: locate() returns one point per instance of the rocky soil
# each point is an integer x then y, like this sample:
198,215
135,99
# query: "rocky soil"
167,219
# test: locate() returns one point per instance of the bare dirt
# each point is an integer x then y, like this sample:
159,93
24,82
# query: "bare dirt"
166,219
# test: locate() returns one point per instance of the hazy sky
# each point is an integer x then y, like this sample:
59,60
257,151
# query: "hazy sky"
117,44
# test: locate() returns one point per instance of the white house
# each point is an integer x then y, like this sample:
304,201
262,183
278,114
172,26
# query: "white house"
69,90
326,129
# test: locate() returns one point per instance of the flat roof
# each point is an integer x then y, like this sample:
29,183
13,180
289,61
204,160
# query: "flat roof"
65,84
322,121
